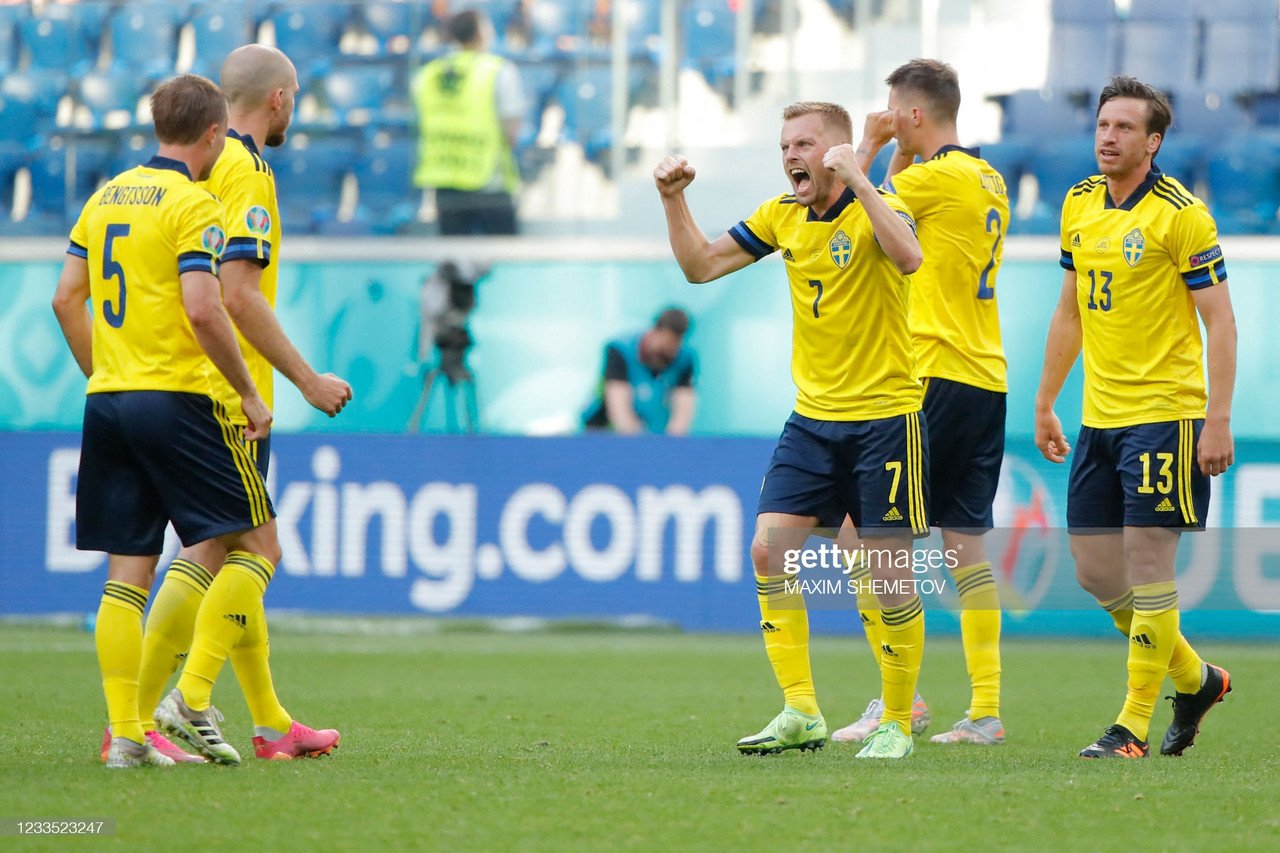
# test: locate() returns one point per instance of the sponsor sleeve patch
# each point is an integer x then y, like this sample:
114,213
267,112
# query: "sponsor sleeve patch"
1208,255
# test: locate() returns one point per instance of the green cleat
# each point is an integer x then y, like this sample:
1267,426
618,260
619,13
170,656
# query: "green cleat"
789,730
888,741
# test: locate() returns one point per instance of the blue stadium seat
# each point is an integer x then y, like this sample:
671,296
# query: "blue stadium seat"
1208,112
1037,113
1241,45
396,24
310,34
388,198
1083,45
365,94
1057,165
1011,160
1244,183
42,89
708,31
144,38
10,49
585,95
64,38
556,27
309,172
1161,44
1181,156
220,27
110,98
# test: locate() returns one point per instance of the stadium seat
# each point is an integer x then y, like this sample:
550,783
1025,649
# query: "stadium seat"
1082,45
709,32
1244,183
1011,160
384,174
1181,156
1039,113
144,38
1202,112
365,94
1241,45
10,52
557,27
310,34
219,27
1161,44
64,37
395,24
1058,165
309,171
42,89
109,99
585,94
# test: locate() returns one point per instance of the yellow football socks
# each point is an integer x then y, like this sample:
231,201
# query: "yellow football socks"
868,606
117,634
980,636
900,657
170,624
234,596
250,660
1152,636
1186,669
784,621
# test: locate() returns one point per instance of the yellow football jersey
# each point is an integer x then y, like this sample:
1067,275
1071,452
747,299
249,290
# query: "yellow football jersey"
1136,266
962,213
245,184
138,233
851,356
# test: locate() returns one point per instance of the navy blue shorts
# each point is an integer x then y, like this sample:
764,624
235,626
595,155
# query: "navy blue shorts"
875,471
151,457
966,450
1138,476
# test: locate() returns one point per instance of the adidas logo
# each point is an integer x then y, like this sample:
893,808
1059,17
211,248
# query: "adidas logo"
1143,640
238,618
180,656
769,628
892,515
1165,505
1075,242
888,650
787,256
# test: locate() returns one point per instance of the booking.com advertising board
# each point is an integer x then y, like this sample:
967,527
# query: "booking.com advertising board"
594,527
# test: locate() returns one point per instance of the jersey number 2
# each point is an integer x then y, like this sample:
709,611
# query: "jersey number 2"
986,291
113,314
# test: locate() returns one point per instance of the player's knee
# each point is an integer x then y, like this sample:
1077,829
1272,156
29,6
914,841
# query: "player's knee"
760,554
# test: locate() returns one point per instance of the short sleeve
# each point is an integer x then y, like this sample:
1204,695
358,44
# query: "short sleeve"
755,234
201,237
1067,241
79,242
917,187
900,206
246,197
1199,256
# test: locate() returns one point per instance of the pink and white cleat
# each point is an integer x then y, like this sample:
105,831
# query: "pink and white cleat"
299,742
160,744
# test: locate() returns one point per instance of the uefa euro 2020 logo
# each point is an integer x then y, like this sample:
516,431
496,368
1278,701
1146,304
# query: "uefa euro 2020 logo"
213,240
257,220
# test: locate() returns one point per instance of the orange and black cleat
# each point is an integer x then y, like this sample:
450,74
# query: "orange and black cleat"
1116,742
1189,709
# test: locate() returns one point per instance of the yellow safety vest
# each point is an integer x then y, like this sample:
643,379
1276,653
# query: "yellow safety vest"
462,144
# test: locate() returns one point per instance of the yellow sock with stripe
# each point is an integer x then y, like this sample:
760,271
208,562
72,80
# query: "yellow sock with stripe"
784,622
1186,669
868,606
117,634
251,661
980,636
1152,637
235,594
167,638
900,658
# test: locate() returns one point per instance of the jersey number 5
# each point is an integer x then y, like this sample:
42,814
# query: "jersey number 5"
113,314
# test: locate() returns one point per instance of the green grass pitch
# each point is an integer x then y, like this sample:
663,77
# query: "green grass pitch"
593,740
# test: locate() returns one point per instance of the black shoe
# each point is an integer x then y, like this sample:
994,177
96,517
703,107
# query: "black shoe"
1116,742
1189,709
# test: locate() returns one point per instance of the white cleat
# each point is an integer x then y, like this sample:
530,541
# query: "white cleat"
128,753
199,729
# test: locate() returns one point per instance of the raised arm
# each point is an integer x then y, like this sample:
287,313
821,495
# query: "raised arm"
202,301
1216,451
1061,348
73,315
249,309
896,236
702,260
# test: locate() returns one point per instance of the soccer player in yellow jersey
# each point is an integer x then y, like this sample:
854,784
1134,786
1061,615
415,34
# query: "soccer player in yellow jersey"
854,445
144,253
260,84
961,211
1141,257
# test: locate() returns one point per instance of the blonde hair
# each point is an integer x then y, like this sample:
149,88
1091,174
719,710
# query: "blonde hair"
834,116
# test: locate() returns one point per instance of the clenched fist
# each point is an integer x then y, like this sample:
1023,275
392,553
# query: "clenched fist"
672,175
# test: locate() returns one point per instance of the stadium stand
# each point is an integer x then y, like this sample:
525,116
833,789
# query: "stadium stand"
1241,48
311,34
219,27
64,38
1084,45
9,45
310,170
382,174
395,25
1161,44
144,38
1244,183
109,98
709,31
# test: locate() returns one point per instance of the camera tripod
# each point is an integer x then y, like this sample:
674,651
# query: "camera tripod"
452,366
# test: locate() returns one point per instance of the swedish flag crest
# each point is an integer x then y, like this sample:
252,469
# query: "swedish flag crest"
1134,243
841,249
